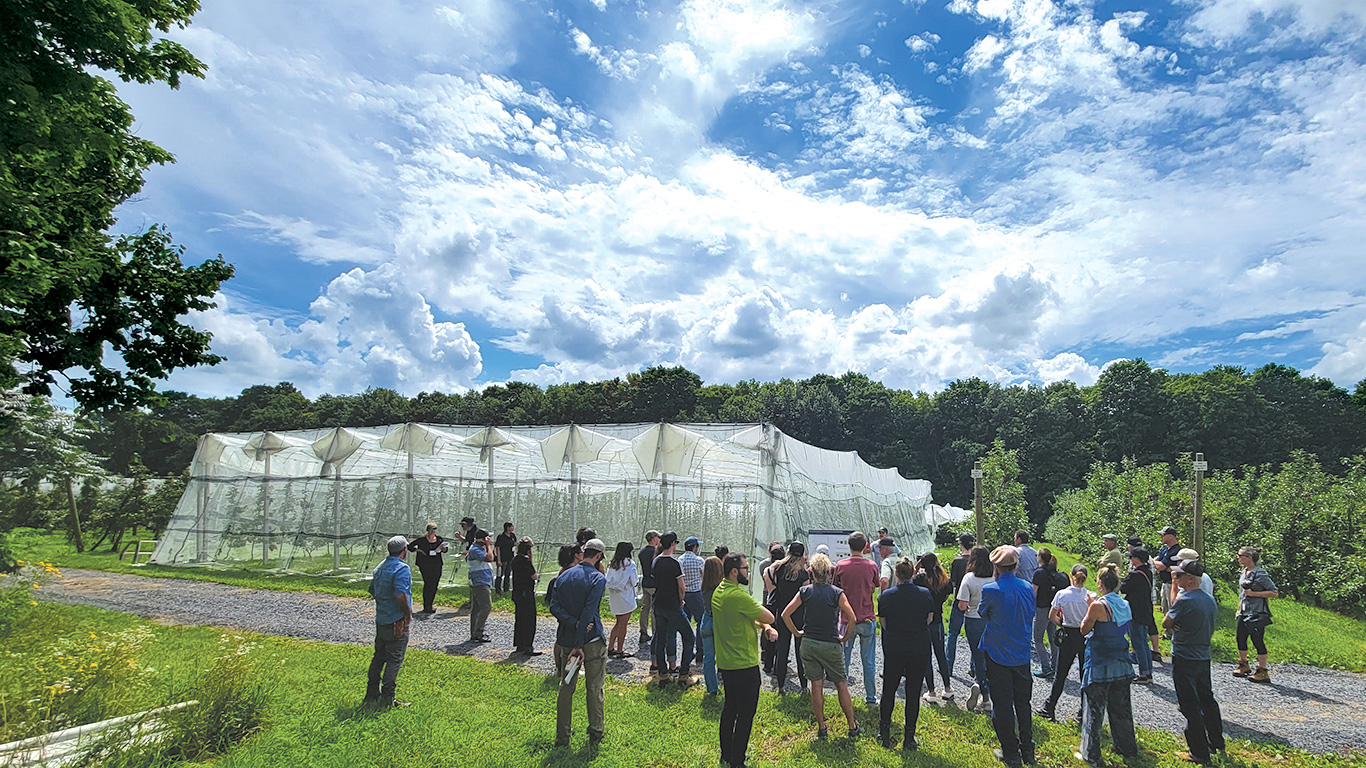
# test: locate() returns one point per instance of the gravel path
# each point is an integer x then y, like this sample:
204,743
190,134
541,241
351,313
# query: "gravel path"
1304,707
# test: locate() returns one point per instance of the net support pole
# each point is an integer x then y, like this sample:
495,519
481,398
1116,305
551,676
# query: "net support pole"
490,489
574,495
265,515
336,520
409,494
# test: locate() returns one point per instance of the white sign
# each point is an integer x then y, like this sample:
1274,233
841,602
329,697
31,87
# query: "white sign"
1202,466
836,541
977,474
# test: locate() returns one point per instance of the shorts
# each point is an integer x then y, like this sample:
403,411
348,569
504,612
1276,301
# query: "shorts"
823,660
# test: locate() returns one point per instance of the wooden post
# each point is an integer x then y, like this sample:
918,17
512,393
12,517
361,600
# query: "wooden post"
75,514
977,502
1198,534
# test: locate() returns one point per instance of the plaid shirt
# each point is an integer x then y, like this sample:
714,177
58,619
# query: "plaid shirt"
691,564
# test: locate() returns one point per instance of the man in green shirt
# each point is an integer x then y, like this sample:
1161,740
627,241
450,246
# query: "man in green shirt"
1113,556
735,617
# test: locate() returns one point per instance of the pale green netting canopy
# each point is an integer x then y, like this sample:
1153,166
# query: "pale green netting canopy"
325,500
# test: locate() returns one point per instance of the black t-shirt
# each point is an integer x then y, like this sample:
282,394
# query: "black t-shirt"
506,545
1048,581
647,566
904,610
523,574
667,572
957,570
822,605
428,557
1137,589
787,589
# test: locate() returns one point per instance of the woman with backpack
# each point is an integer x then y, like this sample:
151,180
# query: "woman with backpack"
1047,582
932,577
1255,588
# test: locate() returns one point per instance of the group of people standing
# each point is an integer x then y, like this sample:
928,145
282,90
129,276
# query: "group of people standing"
1012,602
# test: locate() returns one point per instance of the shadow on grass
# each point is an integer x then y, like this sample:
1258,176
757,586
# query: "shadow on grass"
358,711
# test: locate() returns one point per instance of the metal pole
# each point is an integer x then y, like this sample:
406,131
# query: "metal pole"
574,496
1199,533
336,521
977,502
265,515
409,493
490,510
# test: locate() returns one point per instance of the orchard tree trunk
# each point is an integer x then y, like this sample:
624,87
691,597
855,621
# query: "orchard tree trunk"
75,516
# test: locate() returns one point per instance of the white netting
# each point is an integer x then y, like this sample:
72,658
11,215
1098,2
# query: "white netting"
325,500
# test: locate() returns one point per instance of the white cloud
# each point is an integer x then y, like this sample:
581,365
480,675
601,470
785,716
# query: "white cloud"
1067,366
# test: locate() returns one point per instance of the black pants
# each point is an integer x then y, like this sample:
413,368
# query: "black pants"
737,714
523,619
1071,645
1011,690
431,579
1255,630
1195,699
783,646
895,668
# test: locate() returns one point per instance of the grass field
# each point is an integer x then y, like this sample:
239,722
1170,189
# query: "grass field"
1301,633
471,713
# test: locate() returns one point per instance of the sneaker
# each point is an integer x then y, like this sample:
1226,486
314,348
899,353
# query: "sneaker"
855,732
1243,670
1144,679
1262,675
930,697
1044,674
911,743
1046,714
1188,757
947,695
822,734
974,696
1002,757
1082,758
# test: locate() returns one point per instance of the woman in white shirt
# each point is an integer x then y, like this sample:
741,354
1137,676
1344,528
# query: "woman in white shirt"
980,573
1068,612
621,596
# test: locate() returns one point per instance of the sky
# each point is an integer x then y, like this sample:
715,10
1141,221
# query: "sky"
445,195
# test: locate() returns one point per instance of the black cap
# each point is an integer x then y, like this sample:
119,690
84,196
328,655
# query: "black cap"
668,540
1134,541
467,521
886,541
1141,554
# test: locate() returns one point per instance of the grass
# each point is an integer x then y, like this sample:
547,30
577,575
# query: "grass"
1302,633
476,714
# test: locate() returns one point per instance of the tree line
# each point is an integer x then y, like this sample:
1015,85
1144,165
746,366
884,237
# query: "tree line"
1134,411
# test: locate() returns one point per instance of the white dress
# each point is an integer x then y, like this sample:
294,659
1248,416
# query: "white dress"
621,588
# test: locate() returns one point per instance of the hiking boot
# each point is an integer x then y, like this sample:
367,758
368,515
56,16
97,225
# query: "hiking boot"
1243,670
1262,675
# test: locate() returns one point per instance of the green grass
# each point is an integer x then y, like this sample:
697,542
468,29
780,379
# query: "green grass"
1301,633
470,713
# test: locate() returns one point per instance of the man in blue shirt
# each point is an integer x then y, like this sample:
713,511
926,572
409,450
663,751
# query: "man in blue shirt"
391,585
1008,608
1192,619
479,558
577,604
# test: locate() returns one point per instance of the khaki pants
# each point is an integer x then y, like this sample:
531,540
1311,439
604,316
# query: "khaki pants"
647,603
594,671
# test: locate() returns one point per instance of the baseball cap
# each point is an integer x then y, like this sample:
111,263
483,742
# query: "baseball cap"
467,521
886,541
1188,554
1141,554
1169,531
668,540
594,545
1079,568
1110,536
692,541
1005,555
1134,541
1190,567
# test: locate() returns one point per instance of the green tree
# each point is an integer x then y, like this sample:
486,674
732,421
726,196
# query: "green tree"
1003,496
663,394
40,442
68,159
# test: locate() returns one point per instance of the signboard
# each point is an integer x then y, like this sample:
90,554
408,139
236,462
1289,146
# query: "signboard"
1201,466
837,541
977,474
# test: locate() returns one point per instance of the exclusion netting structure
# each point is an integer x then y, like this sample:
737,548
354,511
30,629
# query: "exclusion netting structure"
324,501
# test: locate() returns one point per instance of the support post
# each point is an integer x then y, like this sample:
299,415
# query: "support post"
336,521
1198,532
977,502
265,515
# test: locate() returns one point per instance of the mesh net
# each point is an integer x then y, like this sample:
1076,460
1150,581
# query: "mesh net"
325,501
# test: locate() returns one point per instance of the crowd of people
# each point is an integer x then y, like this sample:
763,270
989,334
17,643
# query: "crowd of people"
1024,619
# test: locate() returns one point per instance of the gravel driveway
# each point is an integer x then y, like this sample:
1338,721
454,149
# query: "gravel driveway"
1305,707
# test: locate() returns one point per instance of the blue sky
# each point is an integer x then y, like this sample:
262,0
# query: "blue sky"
444,195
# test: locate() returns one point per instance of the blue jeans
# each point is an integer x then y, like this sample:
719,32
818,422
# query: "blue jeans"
704,631
667,622
1138,638
956,618
975,628
670,644
867,638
